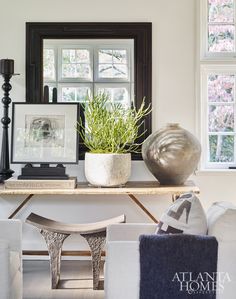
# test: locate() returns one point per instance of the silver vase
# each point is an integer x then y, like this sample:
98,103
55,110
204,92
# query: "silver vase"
171,154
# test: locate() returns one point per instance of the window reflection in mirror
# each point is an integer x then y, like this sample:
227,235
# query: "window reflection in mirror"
79,67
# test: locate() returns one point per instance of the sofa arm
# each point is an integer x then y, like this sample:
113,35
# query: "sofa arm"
11,234
11,230
129,231
122,270
5,270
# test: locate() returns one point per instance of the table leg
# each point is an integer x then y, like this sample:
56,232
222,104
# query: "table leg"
17,210
175,196
137,202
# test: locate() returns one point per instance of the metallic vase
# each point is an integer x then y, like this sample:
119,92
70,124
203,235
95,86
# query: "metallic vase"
171,154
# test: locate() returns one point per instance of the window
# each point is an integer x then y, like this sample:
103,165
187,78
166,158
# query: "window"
218,28
218,81
78,68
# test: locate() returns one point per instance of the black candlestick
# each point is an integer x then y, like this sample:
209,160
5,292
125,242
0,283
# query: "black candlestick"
5,171
7,66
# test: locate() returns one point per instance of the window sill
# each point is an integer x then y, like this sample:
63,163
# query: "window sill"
218,172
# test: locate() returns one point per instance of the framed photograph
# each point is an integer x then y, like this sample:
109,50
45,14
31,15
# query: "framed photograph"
44,133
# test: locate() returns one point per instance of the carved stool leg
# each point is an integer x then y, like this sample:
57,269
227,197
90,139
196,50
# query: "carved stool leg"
96,243
54,243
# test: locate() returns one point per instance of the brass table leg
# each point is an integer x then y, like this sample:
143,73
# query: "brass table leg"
137,202
175,196
24,202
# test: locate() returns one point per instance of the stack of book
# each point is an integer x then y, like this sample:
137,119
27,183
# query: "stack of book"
14,183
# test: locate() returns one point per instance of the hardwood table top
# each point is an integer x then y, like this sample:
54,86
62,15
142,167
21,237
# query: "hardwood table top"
132,187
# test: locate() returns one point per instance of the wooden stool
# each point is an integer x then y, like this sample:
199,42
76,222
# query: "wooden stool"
55,234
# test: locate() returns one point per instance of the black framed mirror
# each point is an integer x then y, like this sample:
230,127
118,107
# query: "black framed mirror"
92,57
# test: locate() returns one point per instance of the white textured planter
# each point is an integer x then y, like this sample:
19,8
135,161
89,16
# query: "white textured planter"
107,170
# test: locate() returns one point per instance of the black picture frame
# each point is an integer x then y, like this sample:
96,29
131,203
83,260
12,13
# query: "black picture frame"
141,32
46,162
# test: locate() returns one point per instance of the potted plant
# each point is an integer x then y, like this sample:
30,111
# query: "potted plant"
110,133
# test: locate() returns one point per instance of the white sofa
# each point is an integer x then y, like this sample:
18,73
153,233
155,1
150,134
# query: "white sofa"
10,259
122,261
122,273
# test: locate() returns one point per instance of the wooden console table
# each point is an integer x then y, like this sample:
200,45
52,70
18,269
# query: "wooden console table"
131,189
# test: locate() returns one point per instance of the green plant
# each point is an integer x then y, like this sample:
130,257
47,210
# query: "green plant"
110,127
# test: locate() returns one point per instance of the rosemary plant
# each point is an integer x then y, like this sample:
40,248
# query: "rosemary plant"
110,127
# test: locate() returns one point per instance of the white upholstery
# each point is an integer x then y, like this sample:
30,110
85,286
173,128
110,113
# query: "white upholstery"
122,262
129,231
222,224
122,270
10,259
4,272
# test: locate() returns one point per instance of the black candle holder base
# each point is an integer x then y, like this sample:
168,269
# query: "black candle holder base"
5,174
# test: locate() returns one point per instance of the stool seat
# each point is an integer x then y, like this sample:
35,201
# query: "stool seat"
55,233
67,228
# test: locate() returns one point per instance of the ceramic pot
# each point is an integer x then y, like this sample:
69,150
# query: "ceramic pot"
171,154
107,170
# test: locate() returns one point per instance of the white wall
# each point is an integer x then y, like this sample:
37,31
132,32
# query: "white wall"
174,47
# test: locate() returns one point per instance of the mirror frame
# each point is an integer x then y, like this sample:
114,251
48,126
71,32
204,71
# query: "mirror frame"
141,33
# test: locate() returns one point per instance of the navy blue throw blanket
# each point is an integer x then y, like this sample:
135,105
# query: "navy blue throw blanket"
178,267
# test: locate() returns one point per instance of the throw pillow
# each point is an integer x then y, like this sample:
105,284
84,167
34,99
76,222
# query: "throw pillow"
186,215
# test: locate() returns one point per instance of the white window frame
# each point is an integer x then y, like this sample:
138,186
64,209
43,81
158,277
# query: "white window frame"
204,53
205,71
210,63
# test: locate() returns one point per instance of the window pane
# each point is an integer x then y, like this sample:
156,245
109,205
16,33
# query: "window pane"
76,71
105,71
49,64
68,94
113,71
221,38
119,56
83,71
120,71
221,118
68,56
82,56
221,10
113,64
116,94
221,88
75,94
105,56
76,63
112,56
221,148
69,71
82,93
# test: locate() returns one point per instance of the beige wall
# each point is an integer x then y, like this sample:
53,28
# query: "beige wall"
174,50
